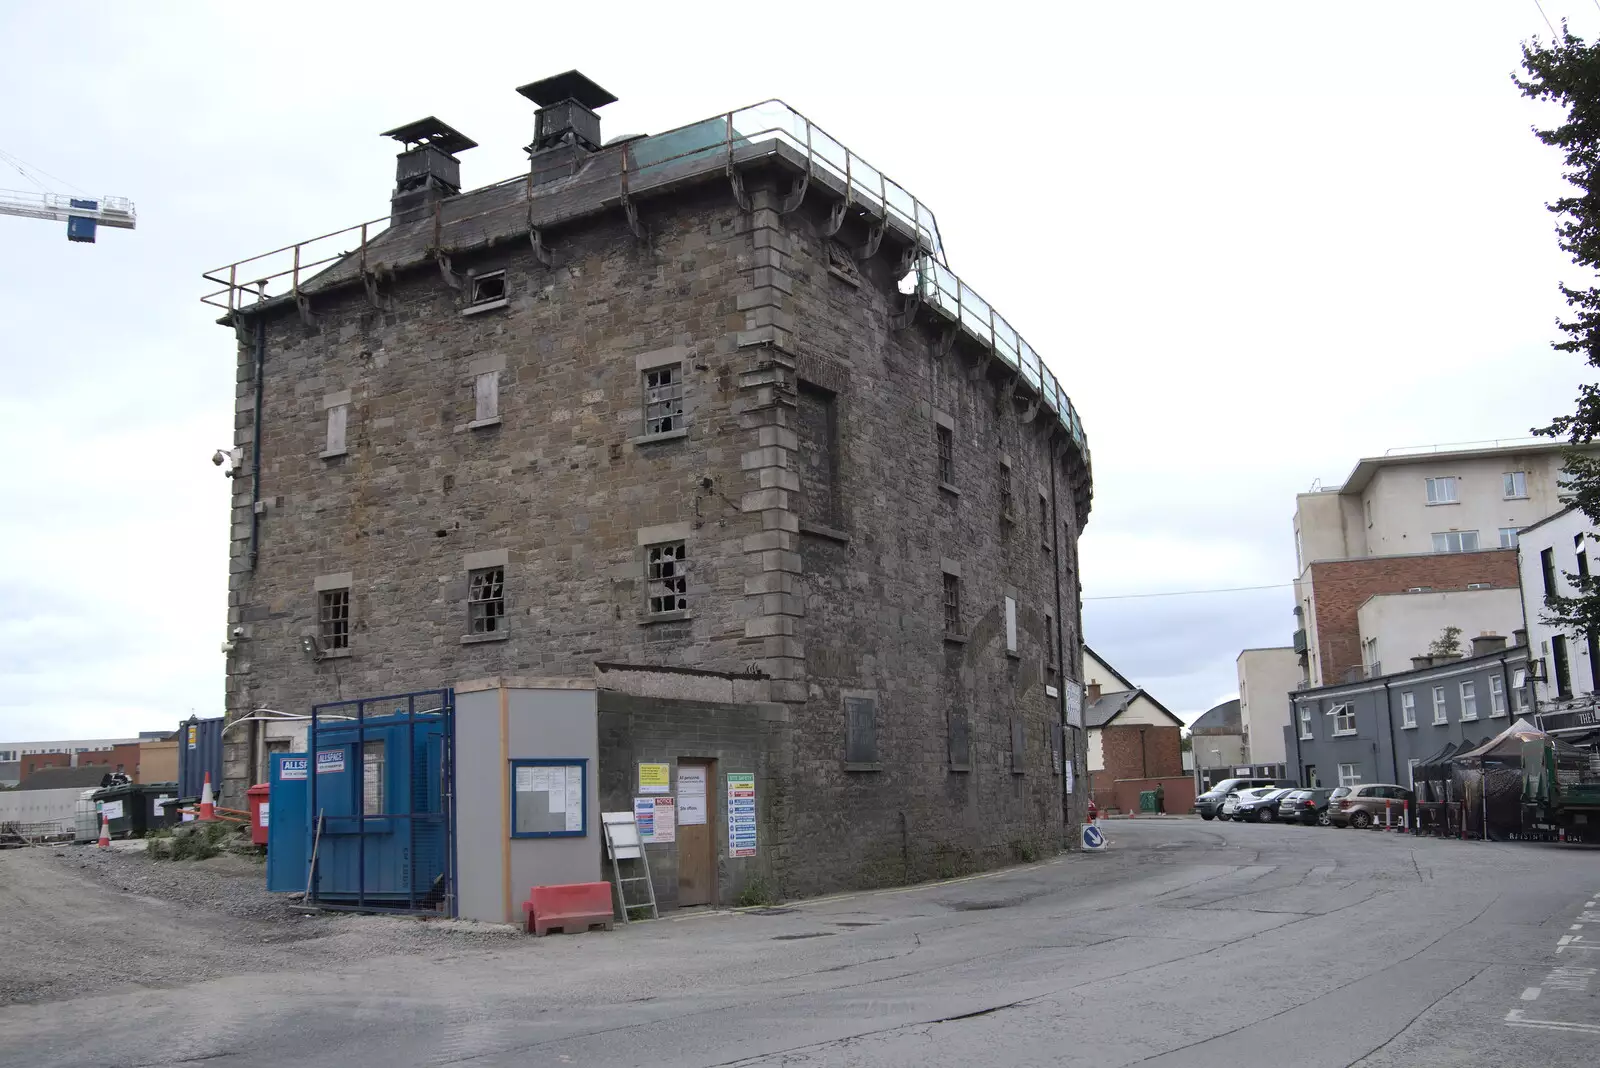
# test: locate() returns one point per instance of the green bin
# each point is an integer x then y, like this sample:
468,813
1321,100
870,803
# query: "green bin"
1147,800
127,816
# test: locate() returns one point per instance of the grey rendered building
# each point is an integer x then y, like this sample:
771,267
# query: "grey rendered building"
1377,729
666,403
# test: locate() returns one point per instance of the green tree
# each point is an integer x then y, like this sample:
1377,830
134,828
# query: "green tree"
1447,644
1566,72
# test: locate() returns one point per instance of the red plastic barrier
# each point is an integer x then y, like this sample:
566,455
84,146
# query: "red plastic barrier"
572,907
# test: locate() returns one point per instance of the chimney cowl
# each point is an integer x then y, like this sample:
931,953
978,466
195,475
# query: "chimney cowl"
566,117
427,170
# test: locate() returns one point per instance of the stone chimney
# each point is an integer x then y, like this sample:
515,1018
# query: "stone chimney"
1420,662
1484,644
1519,636
1093,693
566,130
428,170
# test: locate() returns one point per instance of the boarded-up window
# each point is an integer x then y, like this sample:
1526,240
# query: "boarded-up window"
1011,625
1055,748
960,741
818,432
1018,745
860,730
486,397
336,424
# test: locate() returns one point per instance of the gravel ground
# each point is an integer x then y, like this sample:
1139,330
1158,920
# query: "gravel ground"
180,922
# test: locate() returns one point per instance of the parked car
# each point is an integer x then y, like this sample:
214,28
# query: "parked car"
1230,804
1208,803
1262,808
1362,806
1307,806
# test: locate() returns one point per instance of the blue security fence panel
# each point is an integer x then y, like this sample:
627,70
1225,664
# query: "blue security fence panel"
288,819
378,786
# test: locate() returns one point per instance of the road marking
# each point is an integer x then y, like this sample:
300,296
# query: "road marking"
1515,1019
1531,994
1588,904
1576,927
1571,942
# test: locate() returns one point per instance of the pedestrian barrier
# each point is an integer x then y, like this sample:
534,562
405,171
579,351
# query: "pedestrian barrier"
572,907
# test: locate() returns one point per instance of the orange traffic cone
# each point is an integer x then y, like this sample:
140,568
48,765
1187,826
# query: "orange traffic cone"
208,807
105,832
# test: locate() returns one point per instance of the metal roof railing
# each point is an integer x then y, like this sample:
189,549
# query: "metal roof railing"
939,287
716,141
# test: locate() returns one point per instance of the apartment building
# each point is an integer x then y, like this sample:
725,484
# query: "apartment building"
1266,678
1411,542
1566,664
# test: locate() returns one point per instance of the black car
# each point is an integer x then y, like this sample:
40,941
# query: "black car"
1262,808
1309,806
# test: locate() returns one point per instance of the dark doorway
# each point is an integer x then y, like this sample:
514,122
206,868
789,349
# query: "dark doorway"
697,854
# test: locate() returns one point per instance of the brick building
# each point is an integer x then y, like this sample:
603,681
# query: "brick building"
1135,742
665,403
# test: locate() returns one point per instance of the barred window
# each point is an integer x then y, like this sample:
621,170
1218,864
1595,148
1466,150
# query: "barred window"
952,604
486,600
667,576
333,619
663,399
946,442
1008,504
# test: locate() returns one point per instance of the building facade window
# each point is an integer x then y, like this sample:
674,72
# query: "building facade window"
663,399
960,747
1349,775
1519,690
944,440
486,398
1344,718
952,603
1442,490
1411,772
333,619
338,417
1044,521
489,288
1515,484
1469,700
1408,709
860,730
1305,724
667,577
1439,713
818,433
1497,696
1508,537
1049,649
1008,503
1547,571
1456,541
486,600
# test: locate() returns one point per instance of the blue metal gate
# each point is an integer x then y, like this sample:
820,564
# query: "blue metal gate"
380,818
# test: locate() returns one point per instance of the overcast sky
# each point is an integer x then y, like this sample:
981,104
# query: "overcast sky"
1255,241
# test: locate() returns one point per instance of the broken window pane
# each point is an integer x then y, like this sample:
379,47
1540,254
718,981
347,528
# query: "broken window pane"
333,619
663,399
667,577
486,600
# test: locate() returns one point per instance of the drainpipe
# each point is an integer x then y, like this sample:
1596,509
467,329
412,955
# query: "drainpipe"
1394,757
1294,728
1069,739
255,446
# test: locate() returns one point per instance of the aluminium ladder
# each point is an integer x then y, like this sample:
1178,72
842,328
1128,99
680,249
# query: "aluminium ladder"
622,843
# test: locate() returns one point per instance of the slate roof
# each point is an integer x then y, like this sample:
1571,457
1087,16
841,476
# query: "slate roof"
65,778
1222,719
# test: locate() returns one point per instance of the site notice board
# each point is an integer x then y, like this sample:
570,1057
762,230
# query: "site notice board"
741,814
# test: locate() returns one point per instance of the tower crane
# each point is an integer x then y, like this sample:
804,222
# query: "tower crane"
83,215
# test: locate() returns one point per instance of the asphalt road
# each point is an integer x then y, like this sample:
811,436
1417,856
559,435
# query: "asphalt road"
1189,943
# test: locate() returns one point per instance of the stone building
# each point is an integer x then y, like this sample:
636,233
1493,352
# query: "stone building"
710,402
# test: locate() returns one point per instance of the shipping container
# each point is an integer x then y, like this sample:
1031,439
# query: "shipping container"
200,751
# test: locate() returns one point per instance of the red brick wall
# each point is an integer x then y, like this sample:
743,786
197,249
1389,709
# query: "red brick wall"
1177,793
1343,586
1120,751
125,755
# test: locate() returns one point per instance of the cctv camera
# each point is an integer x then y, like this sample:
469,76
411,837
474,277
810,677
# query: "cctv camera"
219,457
238,632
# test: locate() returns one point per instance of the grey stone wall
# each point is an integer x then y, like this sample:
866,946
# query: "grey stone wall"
740,738
784,337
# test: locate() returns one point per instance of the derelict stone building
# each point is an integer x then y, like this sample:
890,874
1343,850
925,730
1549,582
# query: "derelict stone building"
709,402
